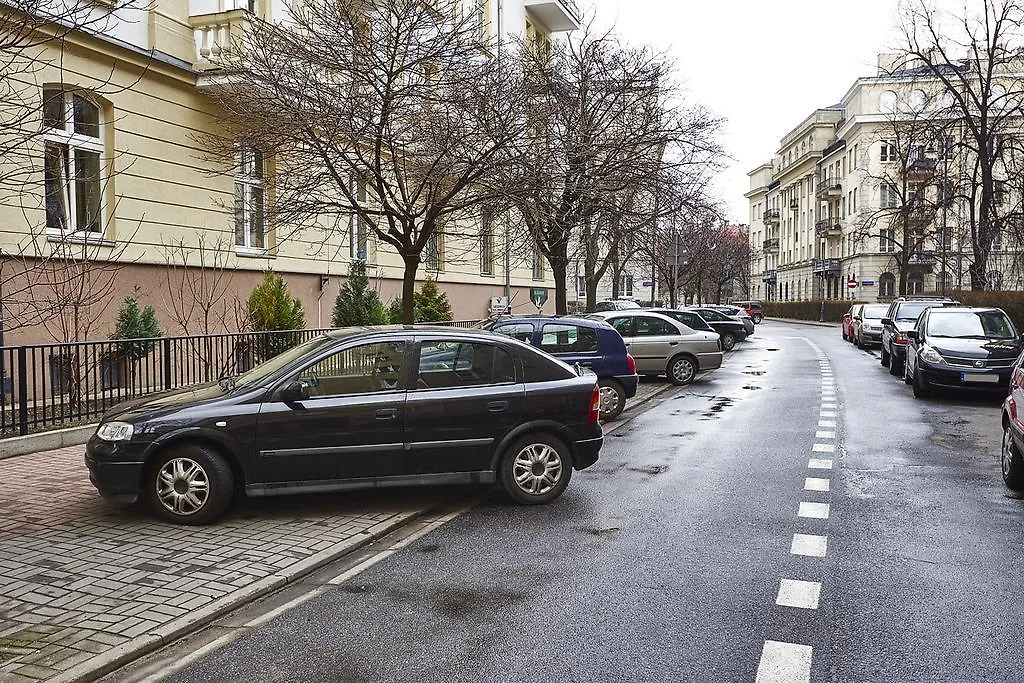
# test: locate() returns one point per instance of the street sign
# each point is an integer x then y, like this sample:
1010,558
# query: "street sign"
539,296
867,283
852,283
647,283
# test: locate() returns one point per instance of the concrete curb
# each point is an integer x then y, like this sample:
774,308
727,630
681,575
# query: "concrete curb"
815,323
46,441
113,659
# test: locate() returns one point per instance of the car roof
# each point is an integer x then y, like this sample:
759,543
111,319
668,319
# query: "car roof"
964,309
572,319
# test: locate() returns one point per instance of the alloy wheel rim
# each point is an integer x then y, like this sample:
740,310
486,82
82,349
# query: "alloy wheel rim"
609,400
1007,453
682,370
537,469
182,486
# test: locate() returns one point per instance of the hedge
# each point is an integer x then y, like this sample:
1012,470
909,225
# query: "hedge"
1011,302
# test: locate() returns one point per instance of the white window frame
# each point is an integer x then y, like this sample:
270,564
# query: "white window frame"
886,240
433,252
246,183
358,230
486,243
888,153
71,142
537,265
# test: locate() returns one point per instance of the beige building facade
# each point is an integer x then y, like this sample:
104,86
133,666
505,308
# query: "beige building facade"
816,210
120,180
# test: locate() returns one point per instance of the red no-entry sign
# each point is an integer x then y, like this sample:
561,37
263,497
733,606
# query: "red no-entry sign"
852,283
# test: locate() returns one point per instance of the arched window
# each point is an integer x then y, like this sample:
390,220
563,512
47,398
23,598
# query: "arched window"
915,283
886,285
994,280
997,95
916,100
887,102
946,99
73,166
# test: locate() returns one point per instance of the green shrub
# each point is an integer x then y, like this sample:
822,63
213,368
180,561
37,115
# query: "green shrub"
809,310
1011,302
395,311
431,304
272,307
356,303
133,323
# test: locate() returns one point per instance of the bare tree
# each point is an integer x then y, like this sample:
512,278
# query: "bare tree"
388,112
199,280
974,56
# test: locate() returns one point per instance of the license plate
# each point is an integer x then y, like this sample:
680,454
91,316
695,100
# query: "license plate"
984,379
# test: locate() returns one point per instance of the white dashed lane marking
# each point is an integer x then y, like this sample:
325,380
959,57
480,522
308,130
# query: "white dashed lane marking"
802,594
819,464
784,663
828,413
826,423
809,545
813,510
820,434
823,448
815,484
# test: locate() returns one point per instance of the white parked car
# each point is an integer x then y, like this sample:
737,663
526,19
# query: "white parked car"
663,346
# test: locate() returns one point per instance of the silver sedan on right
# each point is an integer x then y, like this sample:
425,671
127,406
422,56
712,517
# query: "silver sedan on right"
663,346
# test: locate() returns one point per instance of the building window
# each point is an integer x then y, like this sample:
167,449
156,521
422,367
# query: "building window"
886,240
888,196
994,280
433,257
486,244
888,151
538,265
73,159
886,285
997,241
915,283
998,192
581,286
479,19
358,226
250,206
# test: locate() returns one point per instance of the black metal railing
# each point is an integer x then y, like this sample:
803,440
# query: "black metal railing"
770,244
828,267
827,226
52,386
771,215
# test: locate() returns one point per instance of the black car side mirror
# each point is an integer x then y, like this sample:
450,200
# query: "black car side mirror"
887,321
911,334
295,391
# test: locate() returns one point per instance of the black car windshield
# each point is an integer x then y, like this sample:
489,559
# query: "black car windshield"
874,311
912,311
977,324
259,373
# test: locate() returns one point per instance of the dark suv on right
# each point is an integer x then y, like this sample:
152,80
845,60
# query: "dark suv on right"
902,316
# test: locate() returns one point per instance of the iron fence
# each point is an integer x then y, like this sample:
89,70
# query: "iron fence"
51,386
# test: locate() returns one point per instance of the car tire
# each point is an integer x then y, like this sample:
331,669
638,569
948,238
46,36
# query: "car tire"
190,484
728,341
922,389
884,360
846,337
614,394
534,459
1012,464
860,343
757,318
895,367
907,379
681,370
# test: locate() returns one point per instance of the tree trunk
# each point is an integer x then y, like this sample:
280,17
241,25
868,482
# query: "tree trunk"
559,269
412,264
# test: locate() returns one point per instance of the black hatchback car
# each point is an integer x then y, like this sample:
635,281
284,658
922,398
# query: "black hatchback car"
964,348
356,408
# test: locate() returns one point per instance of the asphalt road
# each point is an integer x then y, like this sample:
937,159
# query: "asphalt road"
675,557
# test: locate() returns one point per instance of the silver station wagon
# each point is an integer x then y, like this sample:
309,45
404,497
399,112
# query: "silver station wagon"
663,346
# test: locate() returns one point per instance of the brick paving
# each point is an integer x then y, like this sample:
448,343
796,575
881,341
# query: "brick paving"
80,577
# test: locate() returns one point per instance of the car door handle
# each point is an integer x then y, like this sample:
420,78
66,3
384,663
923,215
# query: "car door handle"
387,413
588,365
673,343
497,406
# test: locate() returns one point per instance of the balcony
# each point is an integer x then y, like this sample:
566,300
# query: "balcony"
921,169
771,217
829,188
921,259
827,267
771,245
828,227
794,204
214,35
918,216
768,276
556,15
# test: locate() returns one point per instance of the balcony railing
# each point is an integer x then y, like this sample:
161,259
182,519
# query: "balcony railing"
920,215
771,244
921,258
215,35
771,216
921,168
828,227
828,267
829,188
794,204
768,276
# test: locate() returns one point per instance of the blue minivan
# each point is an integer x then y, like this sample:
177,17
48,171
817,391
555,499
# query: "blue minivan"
594,344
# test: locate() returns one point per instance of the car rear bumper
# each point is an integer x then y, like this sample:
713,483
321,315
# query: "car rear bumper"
709,361
870,337
629,383
587,452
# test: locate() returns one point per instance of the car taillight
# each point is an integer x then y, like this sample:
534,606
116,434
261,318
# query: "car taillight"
719,342
901,339
630,364
595,406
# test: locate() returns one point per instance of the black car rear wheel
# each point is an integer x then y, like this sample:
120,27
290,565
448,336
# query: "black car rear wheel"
613,398
757,318
1012,464
190,484
895,366
728,341
536,469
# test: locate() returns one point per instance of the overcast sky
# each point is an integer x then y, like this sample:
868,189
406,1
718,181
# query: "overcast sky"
764,66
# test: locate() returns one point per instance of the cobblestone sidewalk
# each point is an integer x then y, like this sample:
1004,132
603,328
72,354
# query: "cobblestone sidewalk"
85,584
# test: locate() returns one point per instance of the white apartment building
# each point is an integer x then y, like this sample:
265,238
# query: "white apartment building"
132,102
811,207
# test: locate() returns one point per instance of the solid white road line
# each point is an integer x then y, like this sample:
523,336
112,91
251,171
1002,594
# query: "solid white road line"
823,448
824,435
826,423
819,464
802,594
815,484
784,663
809,545
813,510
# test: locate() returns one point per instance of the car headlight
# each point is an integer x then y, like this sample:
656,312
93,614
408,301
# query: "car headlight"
930,355
869,328
115,431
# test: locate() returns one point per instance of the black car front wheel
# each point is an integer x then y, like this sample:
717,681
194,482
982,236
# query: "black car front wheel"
1012,464
536,469
922,388
613,398
190,484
